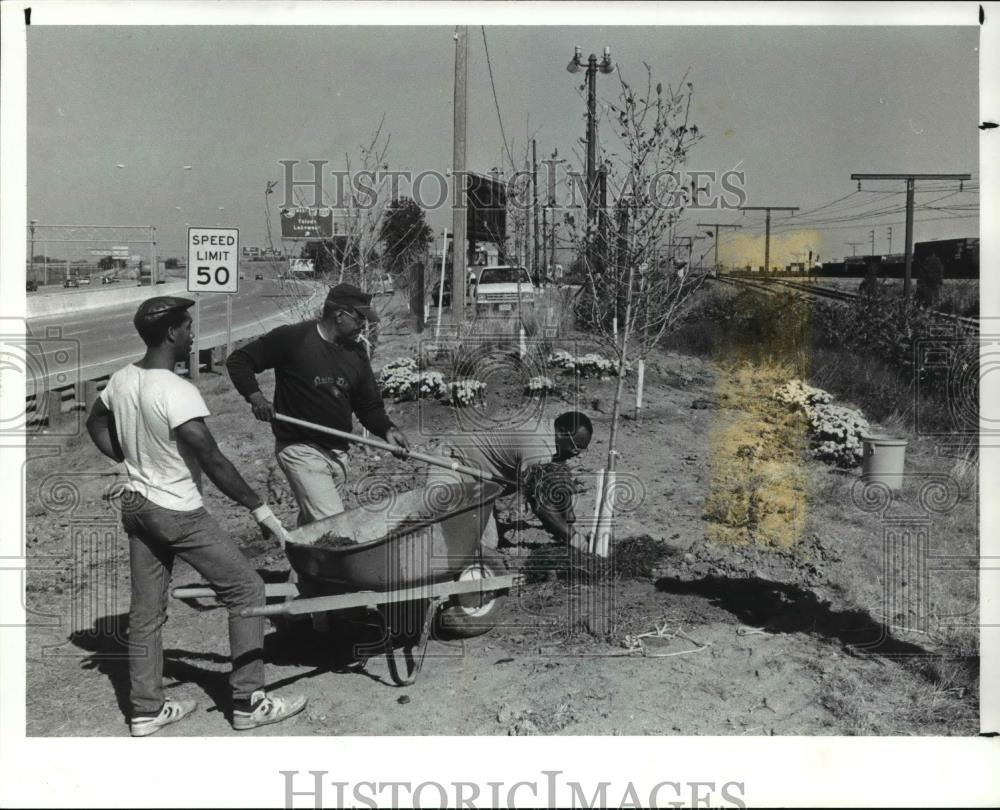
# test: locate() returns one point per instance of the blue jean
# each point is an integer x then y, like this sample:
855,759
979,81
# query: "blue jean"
156,537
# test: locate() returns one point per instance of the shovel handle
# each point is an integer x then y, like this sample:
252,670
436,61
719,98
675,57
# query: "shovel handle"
436,461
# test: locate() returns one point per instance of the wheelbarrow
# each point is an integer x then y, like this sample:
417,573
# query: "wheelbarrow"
416,549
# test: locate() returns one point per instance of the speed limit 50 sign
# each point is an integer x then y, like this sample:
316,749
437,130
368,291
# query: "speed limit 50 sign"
213,254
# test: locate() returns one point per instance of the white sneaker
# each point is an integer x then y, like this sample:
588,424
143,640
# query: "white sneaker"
267,709
172,711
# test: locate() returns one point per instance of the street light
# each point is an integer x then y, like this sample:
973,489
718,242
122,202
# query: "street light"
604,66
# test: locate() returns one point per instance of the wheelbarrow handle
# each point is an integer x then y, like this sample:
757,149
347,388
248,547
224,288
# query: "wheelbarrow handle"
436,461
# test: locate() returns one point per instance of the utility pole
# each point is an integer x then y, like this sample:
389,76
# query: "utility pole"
534,207
854,247
767,227
715,232
604,66
458,217
872,235
545,239
910,188
890,239
553,162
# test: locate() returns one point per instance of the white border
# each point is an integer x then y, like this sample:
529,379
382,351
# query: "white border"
240,772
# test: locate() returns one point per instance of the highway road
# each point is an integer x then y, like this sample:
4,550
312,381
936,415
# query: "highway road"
73,347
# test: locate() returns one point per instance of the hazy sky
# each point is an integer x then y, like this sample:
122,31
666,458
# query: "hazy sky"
797,109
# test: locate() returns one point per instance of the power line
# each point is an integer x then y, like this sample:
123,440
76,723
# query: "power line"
496,101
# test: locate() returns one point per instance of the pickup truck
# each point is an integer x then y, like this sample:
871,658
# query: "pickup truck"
503,288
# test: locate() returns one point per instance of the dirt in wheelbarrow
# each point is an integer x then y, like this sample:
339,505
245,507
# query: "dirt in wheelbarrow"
678,633
331,540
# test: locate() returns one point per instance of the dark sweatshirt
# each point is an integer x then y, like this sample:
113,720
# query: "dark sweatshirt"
315,380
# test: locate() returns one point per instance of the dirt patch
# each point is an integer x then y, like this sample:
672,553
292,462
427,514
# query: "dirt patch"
680,632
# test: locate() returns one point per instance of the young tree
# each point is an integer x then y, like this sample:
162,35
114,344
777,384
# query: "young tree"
637,283
404,233
352,254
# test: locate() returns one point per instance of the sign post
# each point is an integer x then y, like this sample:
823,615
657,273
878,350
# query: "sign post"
213,267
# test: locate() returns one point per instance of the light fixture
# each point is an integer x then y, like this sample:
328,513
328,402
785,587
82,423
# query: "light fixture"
575,62
607,66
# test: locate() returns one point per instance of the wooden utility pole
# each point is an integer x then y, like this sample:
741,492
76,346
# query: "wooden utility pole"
459,212
854,247
545,239
553,162
767,226
910,188
534,208
715,228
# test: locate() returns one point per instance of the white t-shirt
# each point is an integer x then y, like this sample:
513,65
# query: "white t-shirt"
148,406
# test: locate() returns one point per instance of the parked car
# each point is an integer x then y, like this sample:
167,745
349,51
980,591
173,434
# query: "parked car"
71,282
504,288
258,277
31,286
108,280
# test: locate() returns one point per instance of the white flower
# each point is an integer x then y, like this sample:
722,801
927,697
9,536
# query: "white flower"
465,392
541,385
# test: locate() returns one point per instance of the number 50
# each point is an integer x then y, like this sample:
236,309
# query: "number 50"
221,275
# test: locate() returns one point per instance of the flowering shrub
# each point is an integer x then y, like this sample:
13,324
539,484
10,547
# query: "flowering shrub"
834,431
835,434
465,392
586,365
561,358
431,384
397,377
539,386
400,379
594,365
798,395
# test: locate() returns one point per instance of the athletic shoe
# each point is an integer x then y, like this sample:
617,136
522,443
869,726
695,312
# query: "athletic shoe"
267,709
172,711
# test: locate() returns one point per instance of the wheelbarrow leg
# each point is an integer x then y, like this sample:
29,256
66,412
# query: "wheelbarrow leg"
425,634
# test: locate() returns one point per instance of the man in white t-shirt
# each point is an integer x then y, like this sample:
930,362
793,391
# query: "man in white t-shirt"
153,421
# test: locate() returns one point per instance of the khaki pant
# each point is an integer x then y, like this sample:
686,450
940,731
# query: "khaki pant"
315,476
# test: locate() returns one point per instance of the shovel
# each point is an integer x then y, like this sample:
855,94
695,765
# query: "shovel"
436,461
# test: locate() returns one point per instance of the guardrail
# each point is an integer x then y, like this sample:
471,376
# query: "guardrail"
56,397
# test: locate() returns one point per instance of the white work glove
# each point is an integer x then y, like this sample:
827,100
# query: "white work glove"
270,526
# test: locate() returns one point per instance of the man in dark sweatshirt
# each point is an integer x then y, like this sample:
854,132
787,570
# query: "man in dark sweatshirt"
322,375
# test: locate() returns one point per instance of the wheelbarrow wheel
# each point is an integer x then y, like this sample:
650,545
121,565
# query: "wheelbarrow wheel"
470,615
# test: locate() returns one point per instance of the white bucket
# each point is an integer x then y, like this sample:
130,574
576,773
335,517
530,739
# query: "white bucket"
883,460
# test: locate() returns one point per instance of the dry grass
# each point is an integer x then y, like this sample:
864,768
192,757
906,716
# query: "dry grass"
923,706
758,485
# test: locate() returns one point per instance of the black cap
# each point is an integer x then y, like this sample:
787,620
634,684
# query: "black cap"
352,297
152,309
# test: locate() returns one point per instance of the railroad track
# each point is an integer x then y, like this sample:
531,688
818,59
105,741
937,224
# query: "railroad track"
807,290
